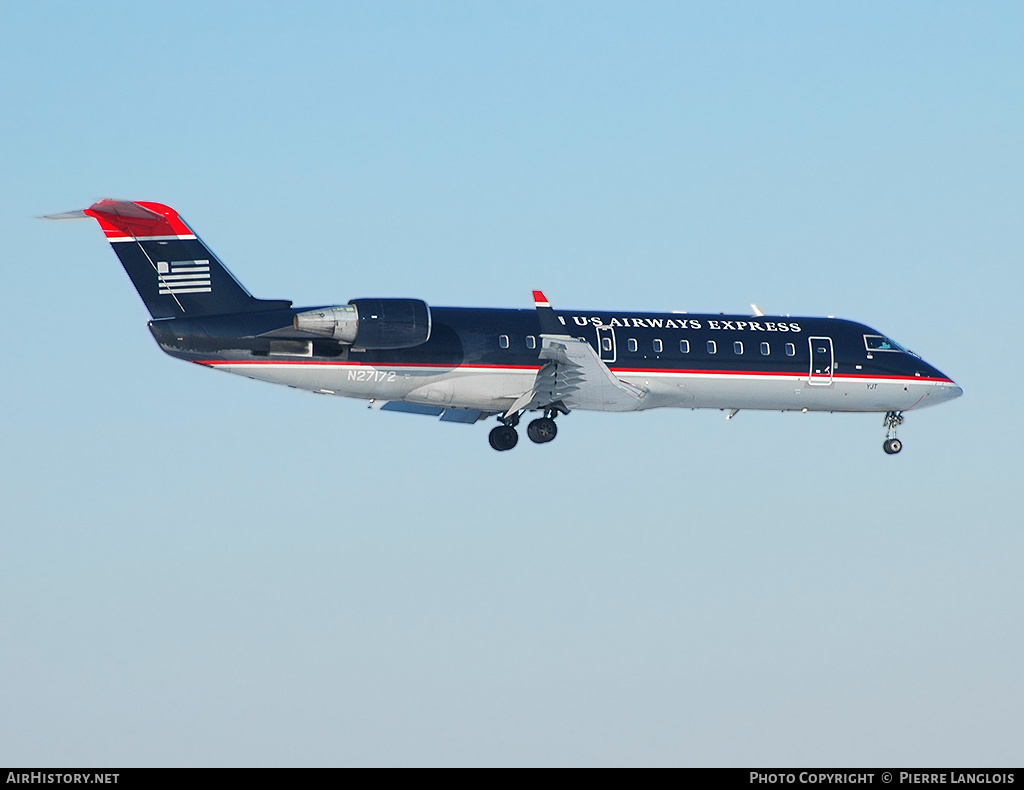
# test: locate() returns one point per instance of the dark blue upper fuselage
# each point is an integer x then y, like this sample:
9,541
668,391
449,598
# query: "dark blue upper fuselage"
625,340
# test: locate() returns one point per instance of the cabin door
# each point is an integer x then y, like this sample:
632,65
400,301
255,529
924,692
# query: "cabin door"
606,343
822,360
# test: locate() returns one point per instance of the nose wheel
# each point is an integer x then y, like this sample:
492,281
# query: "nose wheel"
892,421
892,446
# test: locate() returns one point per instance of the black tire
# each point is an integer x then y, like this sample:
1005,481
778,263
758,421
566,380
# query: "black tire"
503,438
542,430
895,445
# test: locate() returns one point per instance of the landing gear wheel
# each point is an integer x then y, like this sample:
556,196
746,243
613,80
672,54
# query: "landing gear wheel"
503,438
542,430
892,421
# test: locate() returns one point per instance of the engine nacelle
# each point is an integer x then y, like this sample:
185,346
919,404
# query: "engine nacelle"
371,323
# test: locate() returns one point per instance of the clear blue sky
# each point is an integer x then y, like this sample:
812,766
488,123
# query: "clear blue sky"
196,569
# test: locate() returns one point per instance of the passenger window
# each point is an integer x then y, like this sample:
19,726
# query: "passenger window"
631,344
712,348
657,347
790,350
531,341
765,349
737,347
503,341
684,346
606,343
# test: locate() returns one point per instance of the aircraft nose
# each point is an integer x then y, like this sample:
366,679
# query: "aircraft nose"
945,388
950,391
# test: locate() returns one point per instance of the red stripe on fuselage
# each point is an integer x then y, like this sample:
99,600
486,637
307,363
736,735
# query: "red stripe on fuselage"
653,371
778,373
216,362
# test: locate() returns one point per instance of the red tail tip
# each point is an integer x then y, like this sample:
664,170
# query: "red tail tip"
127,219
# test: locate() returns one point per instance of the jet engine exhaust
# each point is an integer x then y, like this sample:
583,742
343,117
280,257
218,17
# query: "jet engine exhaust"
370,323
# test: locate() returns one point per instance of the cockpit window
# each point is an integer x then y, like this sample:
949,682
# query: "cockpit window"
879,343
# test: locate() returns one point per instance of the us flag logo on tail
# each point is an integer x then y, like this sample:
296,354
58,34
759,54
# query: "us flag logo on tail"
184,277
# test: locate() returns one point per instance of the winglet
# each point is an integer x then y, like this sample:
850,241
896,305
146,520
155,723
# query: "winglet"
550,323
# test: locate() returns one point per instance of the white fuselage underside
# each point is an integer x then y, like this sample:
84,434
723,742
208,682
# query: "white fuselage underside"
495,389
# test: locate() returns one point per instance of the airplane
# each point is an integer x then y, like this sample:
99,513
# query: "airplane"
465,364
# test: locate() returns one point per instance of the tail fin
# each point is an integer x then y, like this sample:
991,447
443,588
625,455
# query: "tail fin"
173,271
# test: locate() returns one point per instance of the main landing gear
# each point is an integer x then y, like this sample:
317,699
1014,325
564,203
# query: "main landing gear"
541,431
504,437
893,420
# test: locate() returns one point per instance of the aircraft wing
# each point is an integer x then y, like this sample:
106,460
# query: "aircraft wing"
574,373
465,416
576,376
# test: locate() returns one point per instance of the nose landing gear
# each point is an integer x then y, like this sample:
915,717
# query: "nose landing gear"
892,421
892,446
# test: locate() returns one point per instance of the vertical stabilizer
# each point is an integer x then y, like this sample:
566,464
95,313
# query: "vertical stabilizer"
174,272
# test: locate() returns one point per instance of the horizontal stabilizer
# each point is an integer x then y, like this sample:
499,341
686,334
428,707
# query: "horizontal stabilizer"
67,215
127,220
